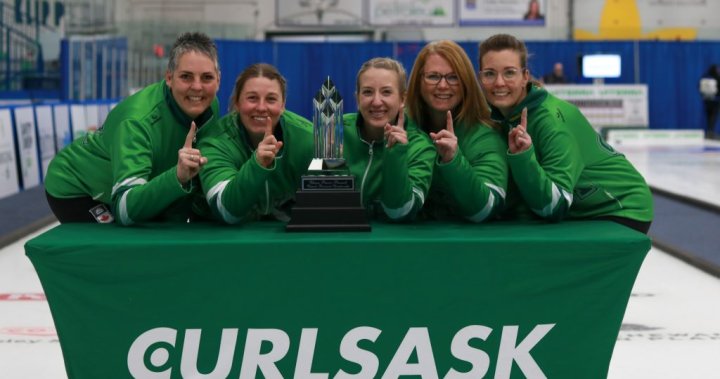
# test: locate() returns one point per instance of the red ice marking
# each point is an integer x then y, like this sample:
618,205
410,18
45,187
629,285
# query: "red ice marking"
38,331
22,297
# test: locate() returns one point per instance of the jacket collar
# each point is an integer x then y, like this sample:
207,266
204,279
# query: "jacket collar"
535,96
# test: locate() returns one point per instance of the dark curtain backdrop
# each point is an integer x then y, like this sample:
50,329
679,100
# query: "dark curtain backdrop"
671,70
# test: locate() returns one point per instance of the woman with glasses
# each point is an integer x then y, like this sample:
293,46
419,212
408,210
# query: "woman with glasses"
561,168
392,163
445,101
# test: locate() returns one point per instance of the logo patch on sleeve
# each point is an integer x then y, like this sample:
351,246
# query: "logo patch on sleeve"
102,214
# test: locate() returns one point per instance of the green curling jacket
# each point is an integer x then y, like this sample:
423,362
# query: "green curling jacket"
130,163
393,182
570,171
237,188
472,185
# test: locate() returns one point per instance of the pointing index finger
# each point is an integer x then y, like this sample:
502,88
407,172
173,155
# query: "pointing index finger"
523,119
449,126
190,136
268,127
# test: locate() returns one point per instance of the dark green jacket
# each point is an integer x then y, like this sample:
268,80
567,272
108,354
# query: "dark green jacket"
570,171
474,183
131,162
393,182
236,186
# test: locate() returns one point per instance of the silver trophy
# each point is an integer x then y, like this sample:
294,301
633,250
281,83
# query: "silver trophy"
328,127
327,199
327,170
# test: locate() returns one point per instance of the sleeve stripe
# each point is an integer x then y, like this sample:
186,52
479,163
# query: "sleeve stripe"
122,209
419,193
489,205
129,182
500,191
216,192
398,213
557,193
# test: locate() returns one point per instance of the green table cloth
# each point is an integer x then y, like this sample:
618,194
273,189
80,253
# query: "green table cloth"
427,300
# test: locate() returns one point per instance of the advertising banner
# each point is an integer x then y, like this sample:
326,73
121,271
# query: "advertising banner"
506,12
316,13
27,145
427,300
671,20
8,168
609,105
46,135
92,116
78,121
61,114
411,12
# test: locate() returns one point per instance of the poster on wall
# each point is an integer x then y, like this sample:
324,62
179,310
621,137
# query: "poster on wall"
411,12
27,145
61,114
46,135
672,20
506,12
318,13
8,169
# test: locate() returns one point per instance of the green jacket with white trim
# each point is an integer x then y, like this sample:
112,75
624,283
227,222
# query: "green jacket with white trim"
131,162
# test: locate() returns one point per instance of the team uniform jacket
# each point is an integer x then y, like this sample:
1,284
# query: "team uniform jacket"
569,171
395,181
236,186
131,162
474,183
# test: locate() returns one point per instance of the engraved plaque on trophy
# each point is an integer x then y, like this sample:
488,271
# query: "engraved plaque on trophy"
328,199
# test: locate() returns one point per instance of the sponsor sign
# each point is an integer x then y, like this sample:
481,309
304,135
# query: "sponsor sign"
607,105
8,169
46,135
27,145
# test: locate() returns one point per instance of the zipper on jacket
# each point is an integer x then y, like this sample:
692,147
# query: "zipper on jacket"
267,197
194,141
367,169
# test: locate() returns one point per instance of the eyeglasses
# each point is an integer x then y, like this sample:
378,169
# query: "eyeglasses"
490,76
436,77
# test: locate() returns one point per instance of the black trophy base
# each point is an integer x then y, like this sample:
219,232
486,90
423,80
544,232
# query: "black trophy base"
328,211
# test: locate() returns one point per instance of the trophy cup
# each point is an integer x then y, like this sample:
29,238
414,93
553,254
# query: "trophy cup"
327,199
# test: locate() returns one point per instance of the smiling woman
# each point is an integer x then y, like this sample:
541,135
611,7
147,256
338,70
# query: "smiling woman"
140,166
445,101
561,168
256,153
393,163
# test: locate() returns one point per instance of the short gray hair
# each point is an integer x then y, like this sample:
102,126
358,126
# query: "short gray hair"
194,41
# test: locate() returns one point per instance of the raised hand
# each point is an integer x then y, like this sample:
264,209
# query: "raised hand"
269,146
518,138
446,141
190,161
396,133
